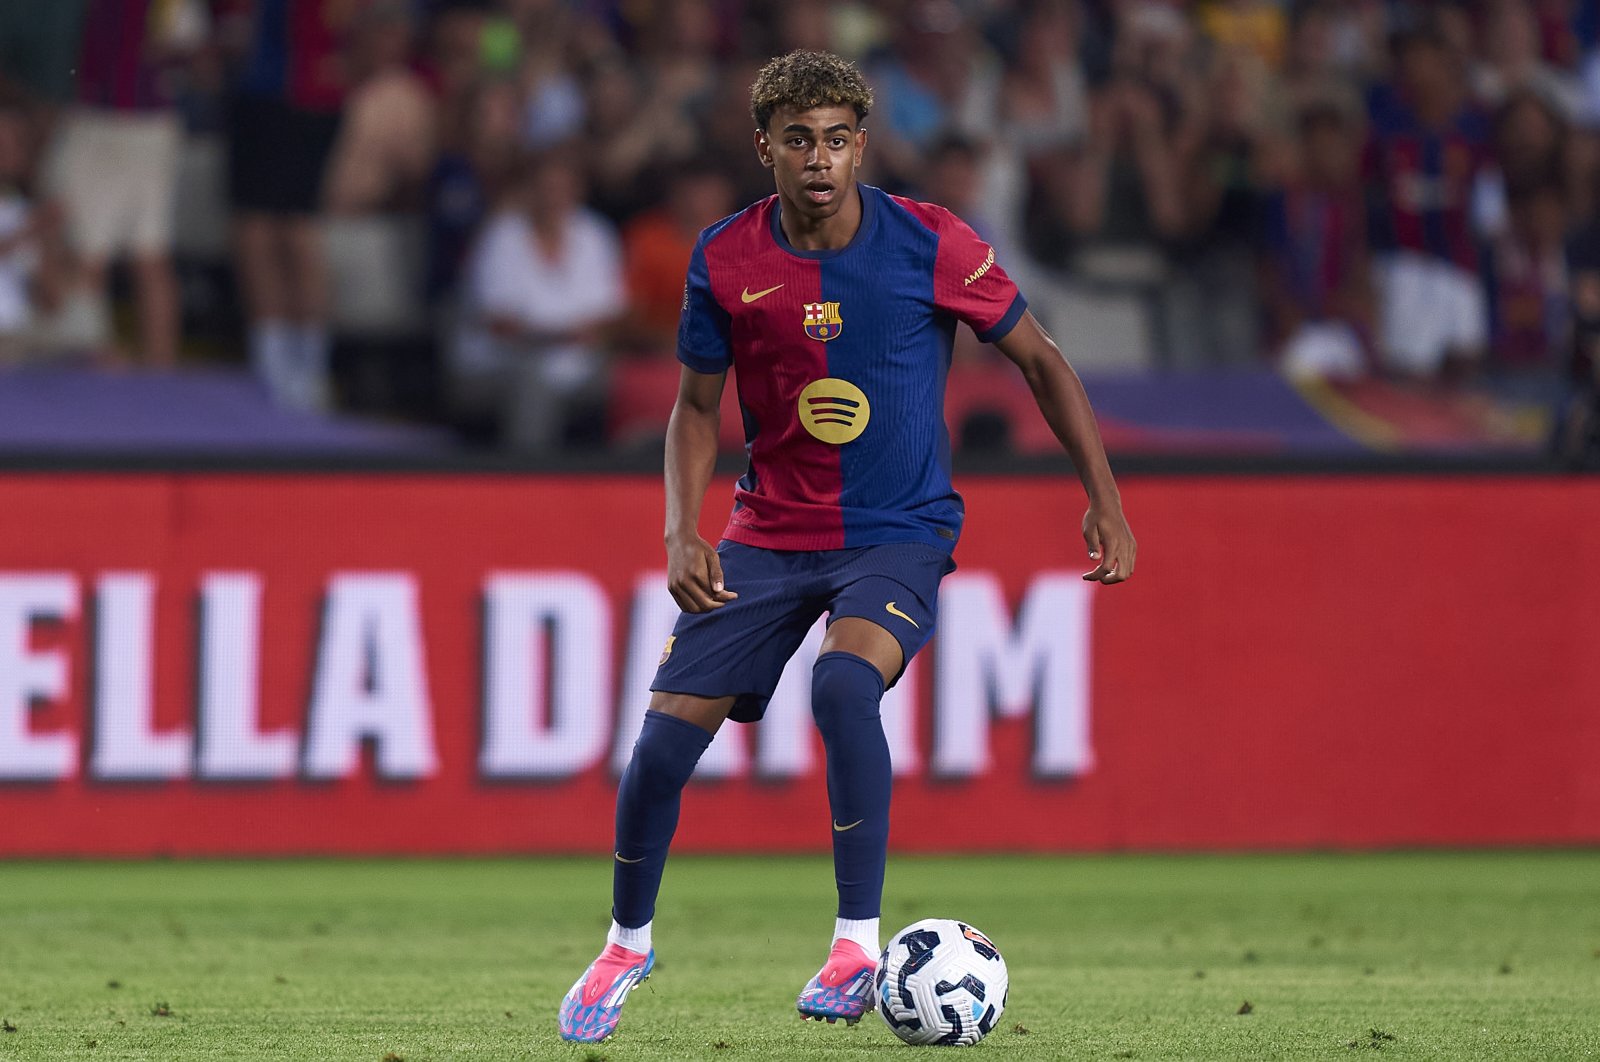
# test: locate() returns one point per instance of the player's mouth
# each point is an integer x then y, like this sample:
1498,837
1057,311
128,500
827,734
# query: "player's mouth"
820,192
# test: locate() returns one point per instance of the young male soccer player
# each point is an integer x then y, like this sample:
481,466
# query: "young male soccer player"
837,304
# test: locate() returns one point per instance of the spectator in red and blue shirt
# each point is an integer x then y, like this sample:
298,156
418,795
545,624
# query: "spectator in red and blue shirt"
288,97
1427,161
1316,280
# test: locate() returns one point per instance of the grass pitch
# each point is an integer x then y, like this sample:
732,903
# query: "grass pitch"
1438,956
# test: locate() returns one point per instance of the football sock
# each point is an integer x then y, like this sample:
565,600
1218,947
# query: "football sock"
637,939
845,690
863,931
647,812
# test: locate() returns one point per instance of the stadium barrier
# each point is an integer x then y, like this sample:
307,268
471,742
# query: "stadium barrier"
258,664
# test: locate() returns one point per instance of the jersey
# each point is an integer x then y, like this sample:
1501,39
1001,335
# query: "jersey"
840,359
1425,180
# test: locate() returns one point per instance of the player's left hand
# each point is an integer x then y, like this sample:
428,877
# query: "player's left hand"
1110,543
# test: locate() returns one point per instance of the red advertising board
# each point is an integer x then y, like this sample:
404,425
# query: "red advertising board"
210,664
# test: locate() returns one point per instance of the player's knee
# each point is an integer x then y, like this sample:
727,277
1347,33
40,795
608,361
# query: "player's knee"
844,686
667,750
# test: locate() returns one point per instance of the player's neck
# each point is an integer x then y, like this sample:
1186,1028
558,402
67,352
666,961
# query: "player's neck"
823,234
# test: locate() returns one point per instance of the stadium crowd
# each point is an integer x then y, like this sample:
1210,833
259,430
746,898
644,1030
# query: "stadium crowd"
481,210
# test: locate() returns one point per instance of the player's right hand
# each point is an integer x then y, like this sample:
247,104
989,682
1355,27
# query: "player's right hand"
694,574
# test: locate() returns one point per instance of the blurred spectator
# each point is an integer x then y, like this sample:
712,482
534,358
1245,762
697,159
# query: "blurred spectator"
1112,207
1315,275
30,258
285,120
1044,93
543,286
553,98
952,178
1043,113
938,75
657,246
1427,163
1576,436
1177,184
1317,72
480,155
1212,302
1513,60
1357,36
635,134
115,161
802,24
649,115
460,52
386,144
1530,143
729,135
1526,276
1254,27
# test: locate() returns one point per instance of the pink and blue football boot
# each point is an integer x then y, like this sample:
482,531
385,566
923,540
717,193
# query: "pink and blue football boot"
591,1010
843,987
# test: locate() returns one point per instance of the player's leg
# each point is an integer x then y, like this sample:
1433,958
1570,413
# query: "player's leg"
882,613
718,664
847,682
676,731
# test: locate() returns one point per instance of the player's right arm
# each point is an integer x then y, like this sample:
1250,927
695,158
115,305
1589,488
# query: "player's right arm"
694,572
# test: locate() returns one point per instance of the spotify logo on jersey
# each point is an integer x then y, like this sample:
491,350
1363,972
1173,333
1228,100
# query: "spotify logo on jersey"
834,411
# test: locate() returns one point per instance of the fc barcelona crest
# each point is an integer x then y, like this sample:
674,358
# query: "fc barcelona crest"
823,321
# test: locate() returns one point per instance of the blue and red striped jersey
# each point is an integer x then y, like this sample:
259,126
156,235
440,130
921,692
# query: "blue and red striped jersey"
840,359
296,52
118,66
1425,179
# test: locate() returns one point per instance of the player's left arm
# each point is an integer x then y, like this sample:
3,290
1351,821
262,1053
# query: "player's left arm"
1065,406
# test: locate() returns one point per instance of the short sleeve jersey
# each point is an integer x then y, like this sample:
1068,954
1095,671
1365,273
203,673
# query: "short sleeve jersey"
840,358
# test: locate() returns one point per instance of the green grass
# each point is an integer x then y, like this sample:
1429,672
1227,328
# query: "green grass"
1439,956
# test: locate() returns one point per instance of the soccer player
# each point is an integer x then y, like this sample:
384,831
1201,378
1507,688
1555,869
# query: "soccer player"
837,304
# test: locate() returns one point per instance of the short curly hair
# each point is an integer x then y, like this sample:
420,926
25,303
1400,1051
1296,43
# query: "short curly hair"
805,80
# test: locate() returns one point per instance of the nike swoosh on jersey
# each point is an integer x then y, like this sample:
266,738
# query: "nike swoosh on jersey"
620,859
747,296
840,829
889,608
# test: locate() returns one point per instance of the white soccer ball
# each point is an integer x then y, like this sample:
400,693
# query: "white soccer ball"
941,982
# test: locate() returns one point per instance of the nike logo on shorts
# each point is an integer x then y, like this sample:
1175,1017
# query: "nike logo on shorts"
620,859
889,608
836,827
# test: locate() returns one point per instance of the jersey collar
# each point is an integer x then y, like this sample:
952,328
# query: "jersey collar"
869,217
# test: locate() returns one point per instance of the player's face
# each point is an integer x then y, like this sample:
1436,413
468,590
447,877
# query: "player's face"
813,155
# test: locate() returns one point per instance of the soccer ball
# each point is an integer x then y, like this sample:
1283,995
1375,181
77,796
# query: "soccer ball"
941,982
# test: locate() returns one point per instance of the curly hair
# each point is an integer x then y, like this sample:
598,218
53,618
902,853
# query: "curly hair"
805,80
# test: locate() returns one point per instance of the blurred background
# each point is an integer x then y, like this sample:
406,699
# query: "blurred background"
338,344
1331,230
336,356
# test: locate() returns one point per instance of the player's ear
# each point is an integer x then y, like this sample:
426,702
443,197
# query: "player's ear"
861,144
764,148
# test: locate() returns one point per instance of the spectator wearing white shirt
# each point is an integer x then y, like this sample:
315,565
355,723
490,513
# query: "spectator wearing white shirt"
31,257
544,283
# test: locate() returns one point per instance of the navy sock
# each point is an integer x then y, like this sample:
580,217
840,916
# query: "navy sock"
647,812
845,690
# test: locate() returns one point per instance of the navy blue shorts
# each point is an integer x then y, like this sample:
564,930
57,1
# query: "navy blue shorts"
740,649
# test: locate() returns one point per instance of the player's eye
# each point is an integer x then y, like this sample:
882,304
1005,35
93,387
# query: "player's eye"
796,141
837,141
